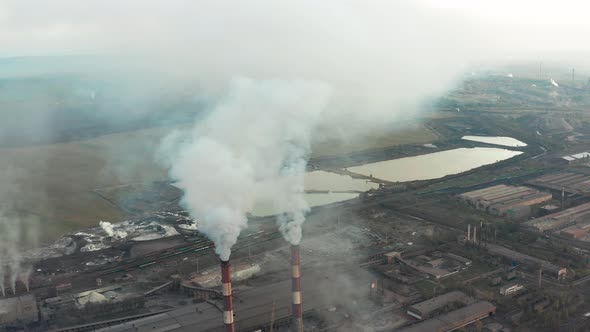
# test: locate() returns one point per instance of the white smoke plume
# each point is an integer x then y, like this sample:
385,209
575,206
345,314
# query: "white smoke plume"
252,146
15,268
111,231
2,277
25,276
16,234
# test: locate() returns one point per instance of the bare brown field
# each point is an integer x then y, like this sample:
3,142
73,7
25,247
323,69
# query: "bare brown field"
57,181
413,133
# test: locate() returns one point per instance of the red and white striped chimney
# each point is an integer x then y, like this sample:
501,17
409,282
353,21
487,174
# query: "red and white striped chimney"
228,304
296,277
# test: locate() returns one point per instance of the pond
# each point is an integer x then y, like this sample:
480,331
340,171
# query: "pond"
498,140
326,181
433,165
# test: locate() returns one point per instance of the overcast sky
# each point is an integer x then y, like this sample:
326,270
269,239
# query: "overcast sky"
33,27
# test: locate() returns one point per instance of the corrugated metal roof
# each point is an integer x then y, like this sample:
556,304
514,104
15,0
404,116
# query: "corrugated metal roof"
581,155
576,156
454,319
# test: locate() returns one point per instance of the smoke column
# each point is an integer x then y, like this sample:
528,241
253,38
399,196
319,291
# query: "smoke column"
25,276
252,147
16,233
2,277
15,269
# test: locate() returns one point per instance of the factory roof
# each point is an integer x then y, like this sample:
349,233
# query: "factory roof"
520,257
485,191
461,259
561,218
435,303
575,232
568,181
506,195
454,319
576,156
524,199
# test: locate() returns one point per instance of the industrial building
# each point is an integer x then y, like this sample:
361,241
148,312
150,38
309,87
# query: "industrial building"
436,305
97,303
505,201
22,309
251,312
551,269
436,264
561,219
510,289
576,159
568,182
578,233
454,319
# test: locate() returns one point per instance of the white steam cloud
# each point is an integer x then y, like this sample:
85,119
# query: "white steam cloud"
111,231
253,146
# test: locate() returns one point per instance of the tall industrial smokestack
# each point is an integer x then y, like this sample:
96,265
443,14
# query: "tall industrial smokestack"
228,304
468,232
296,277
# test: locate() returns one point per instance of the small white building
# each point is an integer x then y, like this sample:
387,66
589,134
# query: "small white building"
510,289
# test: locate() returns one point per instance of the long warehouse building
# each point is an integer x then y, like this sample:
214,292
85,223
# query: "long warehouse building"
561,219
431,307
569,182
455,319
506,201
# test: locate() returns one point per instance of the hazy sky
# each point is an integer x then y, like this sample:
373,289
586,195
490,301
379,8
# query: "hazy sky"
33,27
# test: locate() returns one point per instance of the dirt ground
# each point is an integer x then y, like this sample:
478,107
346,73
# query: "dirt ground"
57,181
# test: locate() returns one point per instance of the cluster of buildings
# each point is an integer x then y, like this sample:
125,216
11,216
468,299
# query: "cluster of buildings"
581,158
100,302
545,197
448,312
506,201
414,266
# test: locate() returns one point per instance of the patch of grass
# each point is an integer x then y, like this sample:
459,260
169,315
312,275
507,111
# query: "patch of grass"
412,134
427,288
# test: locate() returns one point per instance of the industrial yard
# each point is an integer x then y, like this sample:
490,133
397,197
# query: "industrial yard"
499,247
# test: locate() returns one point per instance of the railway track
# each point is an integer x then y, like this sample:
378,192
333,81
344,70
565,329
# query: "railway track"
201,246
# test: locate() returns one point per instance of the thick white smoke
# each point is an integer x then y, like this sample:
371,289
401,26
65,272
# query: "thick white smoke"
252,146
111,231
